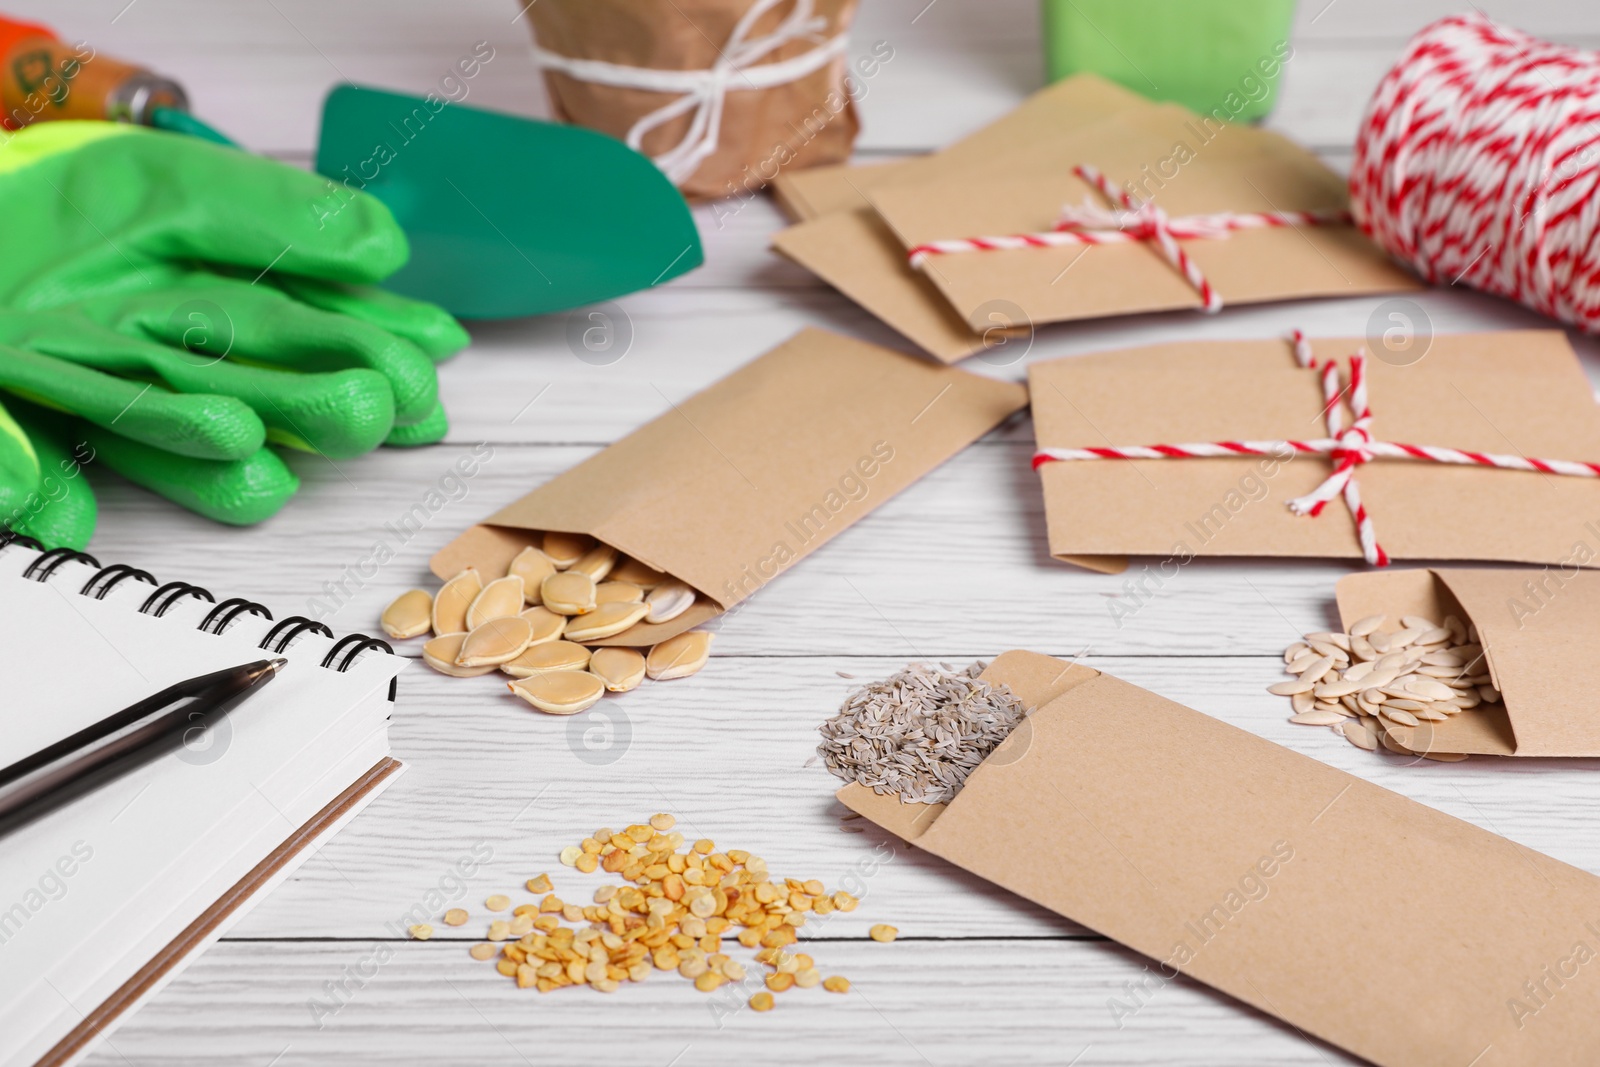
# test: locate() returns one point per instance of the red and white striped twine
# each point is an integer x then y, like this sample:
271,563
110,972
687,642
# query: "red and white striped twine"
1478,162
1349,448
1132,219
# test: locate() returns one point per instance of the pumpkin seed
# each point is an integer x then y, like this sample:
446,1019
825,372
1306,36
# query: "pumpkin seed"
565,549
631,570
615,592
547,625
495,642
560,692
668,600
409,615
533,567
621,669
451,604
607,620
501,598
679,657
441,653
547,658
568,593
597,562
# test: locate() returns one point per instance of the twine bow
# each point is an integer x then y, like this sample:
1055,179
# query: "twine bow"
1348,447
1131,219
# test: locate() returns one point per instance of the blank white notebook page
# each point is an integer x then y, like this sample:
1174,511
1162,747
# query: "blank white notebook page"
87,887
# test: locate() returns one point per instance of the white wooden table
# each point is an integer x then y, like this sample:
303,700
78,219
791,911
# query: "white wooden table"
955,569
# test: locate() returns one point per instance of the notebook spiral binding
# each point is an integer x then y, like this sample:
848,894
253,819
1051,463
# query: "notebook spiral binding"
216,621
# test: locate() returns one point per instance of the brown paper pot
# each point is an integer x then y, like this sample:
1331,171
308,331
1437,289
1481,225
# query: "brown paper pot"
801,123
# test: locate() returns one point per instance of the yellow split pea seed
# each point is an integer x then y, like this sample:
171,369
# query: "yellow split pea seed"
761,1002
421,931
455,917
482,951
835,984
883,932
540,884
498,902
662,822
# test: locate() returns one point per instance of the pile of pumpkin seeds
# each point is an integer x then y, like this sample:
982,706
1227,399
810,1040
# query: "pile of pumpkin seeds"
918,734
672,917
1364,683
535,622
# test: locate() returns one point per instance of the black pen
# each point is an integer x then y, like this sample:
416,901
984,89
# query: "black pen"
117,743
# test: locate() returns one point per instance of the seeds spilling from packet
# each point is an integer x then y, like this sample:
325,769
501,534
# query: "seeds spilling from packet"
556,598
1378,676
682,900
918,734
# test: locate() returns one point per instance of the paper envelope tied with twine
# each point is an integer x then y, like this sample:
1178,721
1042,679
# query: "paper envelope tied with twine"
1219,854
1296,242
842,240
735,484
1540,631
1514,397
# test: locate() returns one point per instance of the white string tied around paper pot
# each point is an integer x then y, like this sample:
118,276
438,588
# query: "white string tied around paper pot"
1478,163
703,93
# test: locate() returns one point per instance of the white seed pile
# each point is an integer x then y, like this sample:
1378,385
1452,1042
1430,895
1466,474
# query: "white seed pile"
918,734
1363,683
580,592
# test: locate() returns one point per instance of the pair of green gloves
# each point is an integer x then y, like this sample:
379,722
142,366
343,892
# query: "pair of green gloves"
170,307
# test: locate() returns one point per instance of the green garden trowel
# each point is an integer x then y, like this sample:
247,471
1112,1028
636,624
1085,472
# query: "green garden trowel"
507,216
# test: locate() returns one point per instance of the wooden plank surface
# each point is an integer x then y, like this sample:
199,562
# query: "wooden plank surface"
954,568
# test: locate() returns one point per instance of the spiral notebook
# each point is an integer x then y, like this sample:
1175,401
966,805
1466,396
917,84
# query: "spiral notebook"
103,900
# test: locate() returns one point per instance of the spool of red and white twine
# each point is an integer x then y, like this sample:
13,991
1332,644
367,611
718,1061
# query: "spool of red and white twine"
1478,163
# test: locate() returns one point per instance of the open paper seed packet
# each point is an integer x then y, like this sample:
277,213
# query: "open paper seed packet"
1484,449
736,484
1256,218
1540,632
1236,862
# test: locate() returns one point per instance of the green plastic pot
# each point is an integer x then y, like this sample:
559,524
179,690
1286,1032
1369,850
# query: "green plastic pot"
1216,57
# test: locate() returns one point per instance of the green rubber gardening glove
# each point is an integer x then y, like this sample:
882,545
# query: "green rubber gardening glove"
190,303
